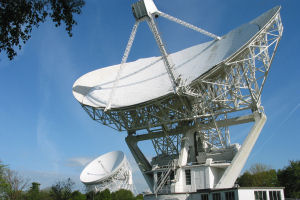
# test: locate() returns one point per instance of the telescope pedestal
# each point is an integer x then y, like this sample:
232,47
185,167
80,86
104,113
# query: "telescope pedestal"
196,166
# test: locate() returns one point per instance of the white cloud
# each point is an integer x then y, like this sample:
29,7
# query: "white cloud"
46,145
78,161
54,68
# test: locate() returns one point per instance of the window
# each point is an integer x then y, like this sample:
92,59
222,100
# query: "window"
260,195
216,196
172,175
188,177
229,195
274,195
204,196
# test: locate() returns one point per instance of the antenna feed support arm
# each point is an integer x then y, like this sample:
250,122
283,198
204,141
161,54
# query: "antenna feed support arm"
146,8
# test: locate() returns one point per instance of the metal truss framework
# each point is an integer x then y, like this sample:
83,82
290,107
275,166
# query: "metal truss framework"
122,179
230,89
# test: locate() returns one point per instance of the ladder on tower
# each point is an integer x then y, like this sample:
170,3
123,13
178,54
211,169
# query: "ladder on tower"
161,181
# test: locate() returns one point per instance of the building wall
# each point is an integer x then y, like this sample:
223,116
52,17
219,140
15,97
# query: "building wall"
246,194
202,177
239,193
249,192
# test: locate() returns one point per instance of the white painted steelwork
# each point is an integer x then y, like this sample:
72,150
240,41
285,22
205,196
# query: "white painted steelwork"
109,171
185,102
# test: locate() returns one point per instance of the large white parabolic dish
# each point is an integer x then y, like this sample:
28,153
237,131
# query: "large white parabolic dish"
102,167
146,79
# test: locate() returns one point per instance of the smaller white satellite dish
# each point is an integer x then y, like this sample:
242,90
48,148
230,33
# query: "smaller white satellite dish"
109,171
102,167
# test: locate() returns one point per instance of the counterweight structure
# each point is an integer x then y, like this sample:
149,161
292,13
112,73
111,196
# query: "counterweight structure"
207,89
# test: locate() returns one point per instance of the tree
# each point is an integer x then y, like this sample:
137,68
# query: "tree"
103,195
258,175
45,194
14,184
122,194
3,182
258,168
266,179
19,17
90,195
289,177
76,195
139,197
246,180
62,190
34,191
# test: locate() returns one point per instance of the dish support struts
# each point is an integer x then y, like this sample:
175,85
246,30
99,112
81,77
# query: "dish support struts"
189,129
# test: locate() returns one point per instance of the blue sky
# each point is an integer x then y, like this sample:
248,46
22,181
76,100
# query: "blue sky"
45,134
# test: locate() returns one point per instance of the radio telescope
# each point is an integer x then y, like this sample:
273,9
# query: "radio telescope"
186,102
109,171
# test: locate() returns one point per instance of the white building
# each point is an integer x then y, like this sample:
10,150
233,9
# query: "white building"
237,193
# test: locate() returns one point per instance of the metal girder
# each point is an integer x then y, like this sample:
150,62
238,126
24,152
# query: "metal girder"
123,62
188,25
174,79
167,145
233,86
198,127
196,114
141,160
228,90
238,162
